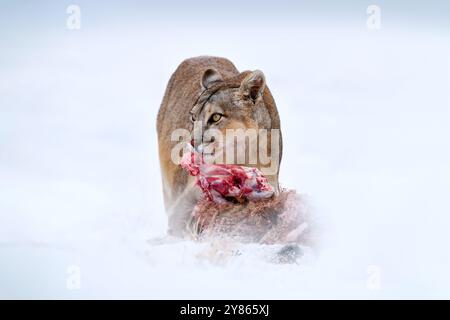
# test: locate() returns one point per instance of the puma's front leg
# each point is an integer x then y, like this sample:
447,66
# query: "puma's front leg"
180,211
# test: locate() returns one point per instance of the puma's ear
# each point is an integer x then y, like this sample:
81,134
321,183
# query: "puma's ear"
210,77
253,85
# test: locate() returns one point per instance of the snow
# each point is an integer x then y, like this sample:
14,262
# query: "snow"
365,129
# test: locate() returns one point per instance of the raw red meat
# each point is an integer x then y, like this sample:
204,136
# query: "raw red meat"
222,182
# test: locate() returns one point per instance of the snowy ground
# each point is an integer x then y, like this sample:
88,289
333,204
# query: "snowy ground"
366,137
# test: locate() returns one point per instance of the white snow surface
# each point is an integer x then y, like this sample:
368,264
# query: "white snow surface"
366,138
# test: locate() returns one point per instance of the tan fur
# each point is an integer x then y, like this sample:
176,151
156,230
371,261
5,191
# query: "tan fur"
183,89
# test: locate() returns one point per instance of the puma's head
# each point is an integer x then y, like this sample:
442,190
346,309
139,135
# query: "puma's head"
235,108
239,110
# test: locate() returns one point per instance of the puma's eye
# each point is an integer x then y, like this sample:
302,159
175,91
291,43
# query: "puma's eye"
215,117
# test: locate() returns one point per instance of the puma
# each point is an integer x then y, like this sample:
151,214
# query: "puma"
210,93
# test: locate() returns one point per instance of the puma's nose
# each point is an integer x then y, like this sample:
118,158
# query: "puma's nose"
196,145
